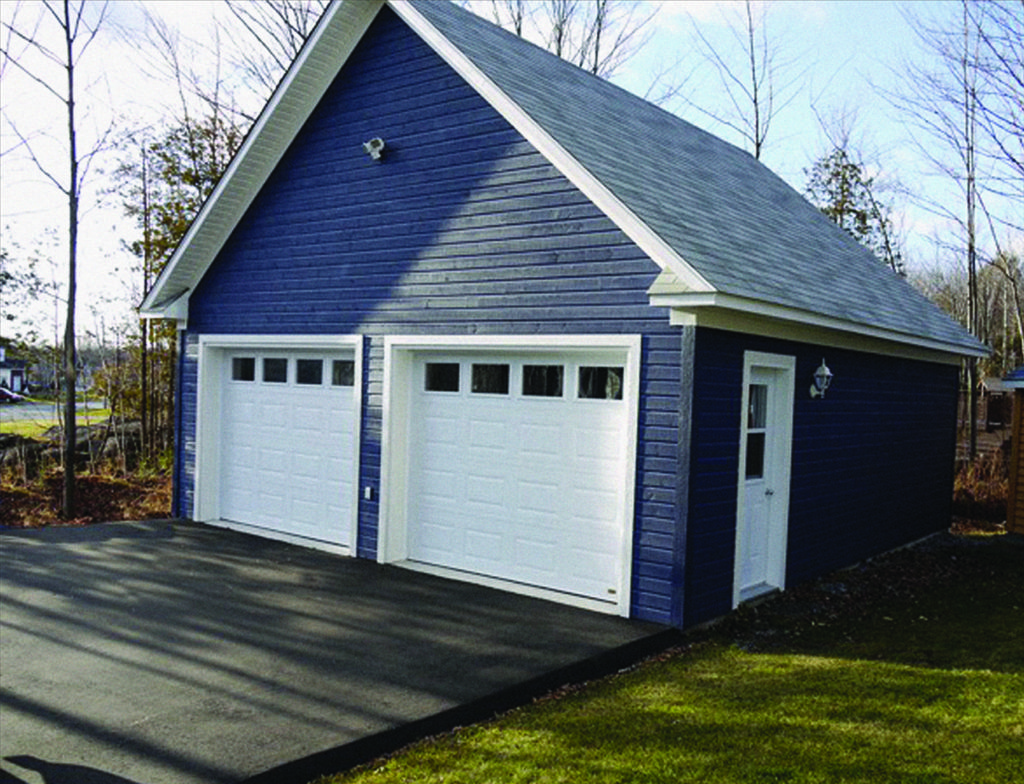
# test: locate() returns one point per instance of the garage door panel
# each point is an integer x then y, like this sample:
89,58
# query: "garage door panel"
305,467
287,453
486,493
487,434
539,555
439,541
440,430
273,463
540,440
526,484
537,497
484,545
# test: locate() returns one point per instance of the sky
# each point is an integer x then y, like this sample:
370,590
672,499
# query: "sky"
845,55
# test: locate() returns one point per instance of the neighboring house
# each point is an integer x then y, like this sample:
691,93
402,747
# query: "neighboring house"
12,373
997,403
1014,382
542,335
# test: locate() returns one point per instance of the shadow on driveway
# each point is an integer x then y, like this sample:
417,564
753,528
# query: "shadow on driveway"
176,653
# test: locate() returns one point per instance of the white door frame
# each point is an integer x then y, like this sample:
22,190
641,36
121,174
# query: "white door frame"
779,457
213,355
399,354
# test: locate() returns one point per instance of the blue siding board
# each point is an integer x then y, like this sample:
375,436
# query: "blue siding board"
872,463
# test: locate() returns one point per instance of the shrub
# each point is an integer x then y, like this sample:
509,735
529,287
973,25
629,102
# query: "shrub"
981,487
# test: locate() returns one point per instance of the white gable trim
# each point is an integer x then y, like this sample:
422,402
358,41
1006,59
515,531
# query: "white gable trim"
591,187
300,91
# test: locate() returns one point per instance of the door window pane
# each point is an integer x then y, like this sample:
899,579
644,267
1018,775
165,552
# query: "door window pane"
757,412
343,373
442,377
542,380
601,383
243,368
490,379
275,370
309,371
755,455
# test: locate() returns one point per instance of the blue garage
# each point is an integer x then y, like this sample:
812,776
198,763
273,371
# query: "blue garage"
460,306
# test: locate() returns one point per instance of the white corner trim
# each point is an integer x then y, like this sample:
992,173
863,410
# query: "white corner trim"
595,190
399,354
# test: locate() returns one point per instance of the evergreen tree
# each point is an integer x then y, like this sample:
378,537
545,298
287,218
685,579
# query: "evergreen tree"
838,185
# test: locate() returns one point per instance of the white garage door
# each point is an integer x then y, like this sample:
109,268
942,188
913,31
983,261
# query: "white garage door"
288,433
518,469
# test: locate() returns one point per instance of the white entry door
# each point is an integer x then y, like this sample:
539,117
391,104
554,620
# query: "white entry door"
765,450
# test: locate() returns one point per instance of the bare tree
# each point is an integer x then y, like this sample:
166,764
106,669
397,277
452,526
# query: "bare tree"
275,32
77,25
512,14
755,74
999,27
967,144
599,36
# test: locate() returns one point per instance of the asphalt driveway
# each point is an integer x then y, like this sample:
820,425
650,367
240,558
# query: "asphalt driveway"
174,653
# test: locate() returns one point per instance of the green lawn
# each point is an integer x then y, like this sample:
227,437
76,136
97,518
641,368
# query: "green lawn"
34,428
908,670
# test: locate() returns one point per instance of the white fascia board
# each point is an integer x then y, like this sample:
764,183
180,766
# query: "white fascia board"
622,216
328,48
738,314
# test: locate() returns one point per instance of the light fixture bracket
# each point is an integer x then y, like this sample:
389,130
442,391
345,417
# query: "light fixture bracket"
374,148
822,380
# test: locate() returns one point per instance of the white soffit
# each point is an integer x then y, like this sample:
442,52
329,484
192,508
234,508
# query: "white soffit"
328,48
737,314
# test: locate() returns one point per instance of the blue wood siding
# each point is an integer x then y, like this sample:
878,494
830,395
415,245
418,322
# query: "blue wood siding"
188,398
872,462
463,228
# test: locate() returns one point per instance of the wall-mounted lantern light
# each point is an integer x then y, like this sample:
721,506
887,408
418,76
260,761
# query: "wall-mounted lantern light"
374,148
822,379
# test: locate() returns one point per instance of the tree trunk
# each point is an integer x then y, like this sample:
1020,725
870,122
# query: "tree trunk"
70,357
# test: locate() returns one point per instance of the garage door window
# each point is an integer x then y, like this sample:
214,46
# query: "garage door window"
343,373
442,377
490,379
243,368
275,370
600,383
309,371
542,380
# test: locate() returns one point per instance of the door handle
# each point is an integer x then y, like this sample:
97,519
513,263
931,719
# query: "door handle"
769,492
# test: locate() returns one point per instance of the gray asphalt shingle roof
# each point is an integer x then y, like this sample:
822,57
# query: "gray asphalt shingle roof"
739,225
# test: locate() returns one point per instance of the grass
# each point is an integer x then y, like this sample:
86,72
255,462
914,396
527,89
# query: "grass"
910,669
35,428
